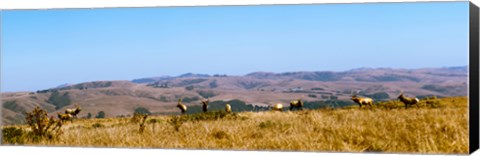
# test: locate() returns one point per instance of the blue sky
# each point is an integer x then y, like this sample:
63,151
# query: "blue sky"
45,48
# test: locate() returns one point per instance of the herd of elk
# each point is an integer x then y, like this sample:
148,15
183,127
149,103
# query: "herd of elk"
298,104
70,114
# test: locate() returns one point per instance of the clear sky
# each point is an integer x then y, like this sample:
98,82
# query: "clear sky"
41,49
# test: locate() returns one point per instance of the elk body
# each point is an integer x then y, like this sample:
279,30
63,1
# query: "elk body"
181,106
408,101
205,105
362,101
228,108
296,104
65,117
277,107
73,111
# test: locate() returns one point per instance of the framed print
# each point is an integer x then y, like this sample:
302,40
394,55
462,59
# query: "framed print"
336,77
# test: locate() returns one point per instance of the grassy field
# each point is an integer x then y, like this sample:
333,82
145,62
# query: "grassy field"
439,129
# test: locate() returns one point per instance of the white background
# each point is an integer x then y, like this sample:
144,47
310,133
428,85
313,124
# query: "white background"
74,151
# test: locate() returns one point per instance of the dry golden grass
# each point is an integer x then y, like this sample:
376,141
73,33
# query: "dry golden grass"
414,130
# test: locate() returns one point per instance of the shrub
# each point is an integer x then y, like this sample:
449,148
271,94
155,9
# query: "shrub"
432,101
41,125
100,114
142,123
13,135
176,122
142,110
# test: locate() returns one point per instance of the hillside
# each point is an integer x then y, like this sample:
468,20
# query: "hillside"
259,89
441,128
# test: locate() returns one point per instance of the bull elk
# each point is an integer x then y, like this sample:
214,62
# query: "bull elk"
205,105
296,104
181,106
408,101
228,108
277,107
362,101
65,117
73,111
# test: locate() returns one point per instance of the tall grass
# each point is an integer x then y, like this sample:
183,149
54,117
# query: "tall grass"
442,129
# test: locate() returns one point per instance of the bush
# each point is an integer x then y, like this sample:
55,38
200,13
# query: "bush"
142,110
100,114
432,102
13,135
41,125
176,122
137,117
142,123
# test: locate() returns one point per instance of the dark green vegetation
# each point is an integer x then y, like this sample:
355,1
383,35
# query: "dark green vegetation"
142,110
59,100
100,114
41,127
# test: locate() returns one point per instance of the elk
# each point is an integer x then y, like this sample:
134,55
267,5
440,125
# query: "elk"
182,106
228,108
296,104
73,111
277,107
205,105
362,101
408,101
65,117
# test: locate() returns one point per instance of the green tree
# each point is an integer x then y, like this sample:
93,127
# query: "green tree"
100,114
89,115
142,110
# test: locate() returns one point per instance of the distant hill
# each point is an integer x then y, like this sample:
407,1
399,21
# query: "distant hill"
258,89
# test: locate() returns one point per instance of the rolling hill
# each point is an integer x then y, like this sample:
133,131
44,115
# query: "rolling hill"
258,89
